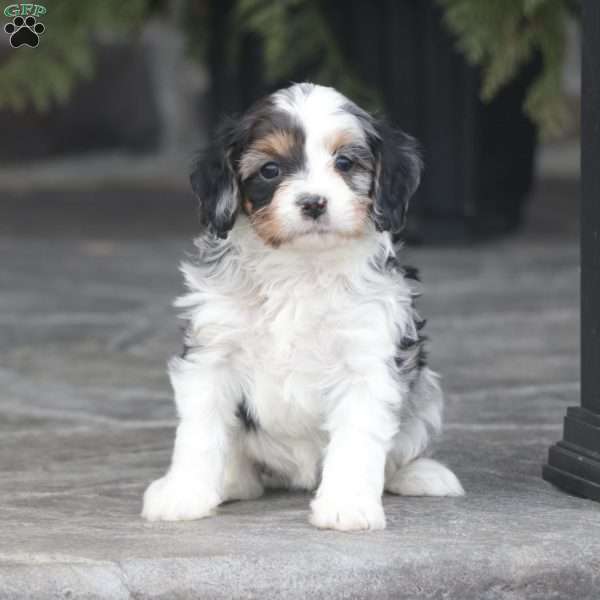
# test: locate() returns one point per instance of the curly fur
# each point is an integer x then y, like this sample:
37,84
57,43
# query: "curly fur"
305,364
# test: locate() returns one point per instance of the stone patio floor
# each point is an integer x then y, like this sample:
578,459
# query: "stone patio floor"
86,421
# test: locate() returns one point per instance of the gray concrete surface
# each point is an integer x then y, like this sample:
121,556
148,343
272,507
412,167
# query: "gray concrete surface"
86,421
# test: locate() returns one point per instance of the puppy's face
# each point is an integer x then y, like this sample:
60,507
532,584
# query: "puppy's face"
307,169
306,163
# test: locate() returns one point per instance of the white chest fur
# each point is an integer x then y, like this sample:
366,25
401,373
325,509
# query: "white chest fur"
295,323
301,340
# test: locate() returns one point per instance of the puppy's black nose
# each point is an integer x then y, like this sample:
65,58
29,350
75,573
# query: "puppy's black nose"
312,206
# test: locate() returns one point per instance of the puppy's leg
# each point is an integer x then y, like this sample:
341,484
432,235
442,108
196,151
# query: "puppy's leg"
206,396
361,425
407,473
242,478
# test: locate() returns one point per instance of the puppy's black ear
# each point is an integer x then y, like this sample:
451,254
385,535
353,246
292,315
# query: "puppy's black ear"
397,176
214,182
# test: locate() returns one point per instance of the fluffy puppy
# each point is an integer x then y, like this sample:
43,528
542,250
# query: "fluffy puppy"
304,363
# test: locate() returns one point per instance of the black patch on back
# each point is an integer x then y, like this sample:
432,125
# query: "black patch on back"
411,352
410,272
422,356
243,414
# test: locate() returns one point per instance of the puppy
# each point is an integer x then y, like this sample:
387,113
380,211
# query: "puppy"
304,363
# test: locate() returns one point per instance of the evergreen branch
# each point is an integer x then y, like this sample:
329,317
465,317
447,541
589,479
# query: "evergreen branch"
48,73
502,37
296,36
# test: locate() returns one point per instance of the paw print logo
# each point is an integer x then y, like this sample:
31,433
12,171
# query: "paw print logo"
24,32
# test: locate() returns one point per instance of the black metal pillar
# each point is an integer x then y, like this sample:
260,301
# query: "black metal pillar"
574,462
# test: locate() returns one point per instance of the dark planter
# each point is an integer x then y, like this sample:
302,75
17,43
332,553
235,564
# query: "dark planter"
115,110
478,157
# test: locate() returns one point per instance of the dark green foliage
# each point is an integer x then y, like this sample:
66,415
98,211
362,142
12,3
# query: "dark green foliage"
296,34
502,35
47,73
499,35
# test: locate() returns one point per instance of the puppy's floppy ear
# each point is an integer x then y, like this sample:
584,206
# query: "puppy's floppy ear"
214,182
397,176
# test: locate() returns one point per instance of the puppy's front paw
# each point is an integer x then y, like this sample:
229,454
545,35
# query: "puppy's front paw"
177,499
347,514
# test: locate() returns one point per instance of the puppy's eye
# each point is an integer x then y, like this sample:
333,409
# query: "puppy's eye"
270,170
343,163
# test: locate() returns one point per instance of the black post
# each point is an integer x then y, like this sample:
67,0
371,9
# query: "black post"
574,462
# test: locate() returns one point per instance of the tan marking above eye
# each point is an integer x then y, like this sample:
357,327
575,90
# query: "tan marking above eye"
339,139
278,143
250,162
275,145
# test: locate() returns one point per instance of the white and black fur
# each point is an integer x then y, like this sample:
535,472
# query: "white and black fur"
304,364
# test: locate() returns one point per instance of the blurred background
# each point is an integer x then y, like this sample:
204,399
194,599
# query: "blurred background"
100,121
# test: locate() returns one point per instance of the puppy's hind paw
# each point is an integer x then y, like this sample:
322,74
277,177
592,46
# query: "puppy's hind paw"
424,477
177,499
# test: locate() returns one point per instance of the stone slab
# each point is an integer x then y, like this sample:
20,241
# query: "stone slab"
86,421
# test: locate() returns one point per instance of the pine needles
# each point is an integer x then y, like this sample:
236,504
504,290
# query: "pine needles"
296,33
502,36
499,35
48,73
